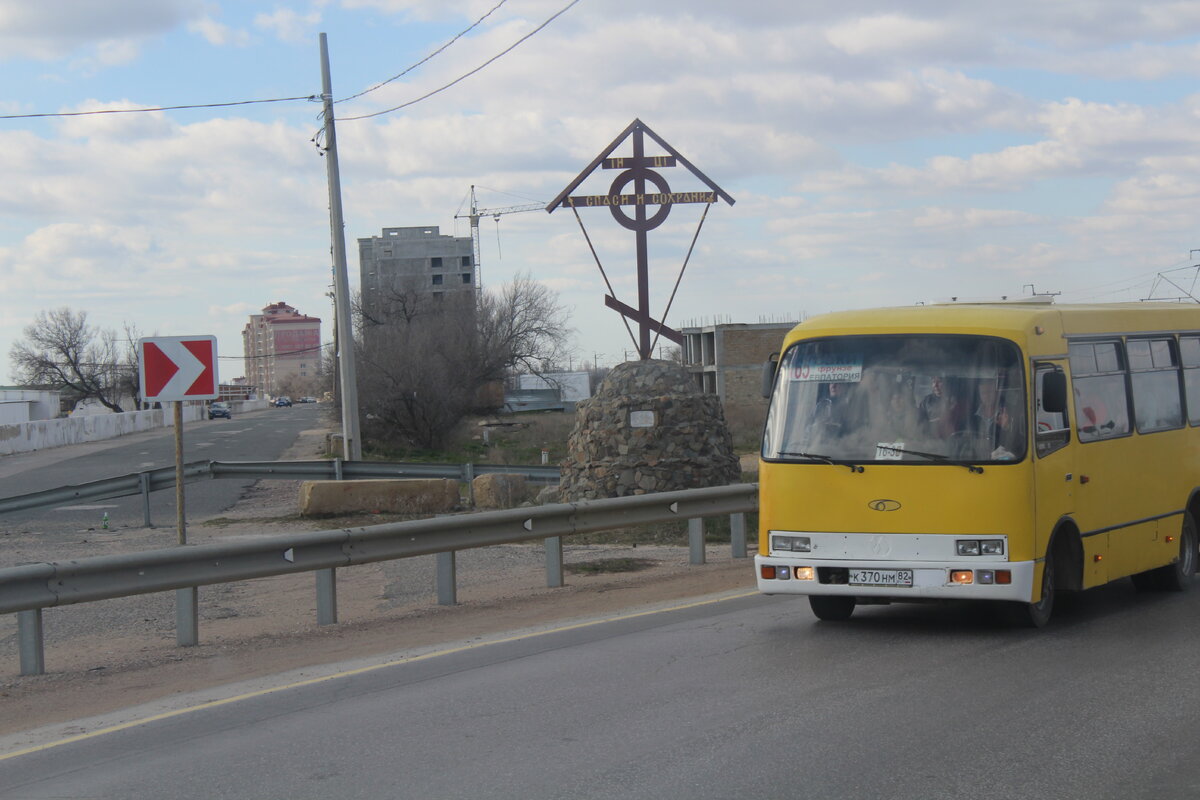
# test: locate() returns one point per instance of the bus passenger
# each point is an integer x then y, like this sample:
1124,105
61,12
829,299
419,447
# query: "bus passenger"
832,414
992,425
944,409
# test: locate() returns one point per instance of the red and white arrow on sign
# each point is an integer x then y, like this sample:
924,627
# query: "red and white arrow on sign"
174,368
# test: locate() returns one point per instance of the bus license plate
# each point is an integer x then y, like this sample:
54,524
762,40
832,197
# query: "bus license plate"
881,577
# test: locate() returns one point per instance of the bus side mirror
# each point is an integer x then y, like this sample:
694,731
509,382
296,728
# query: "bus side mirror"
1054,392
769,368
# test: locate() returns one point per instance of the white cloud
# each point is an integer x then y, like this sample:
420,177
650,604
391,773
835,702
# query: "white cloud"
877,156
287,24
218,34
897,33
43,31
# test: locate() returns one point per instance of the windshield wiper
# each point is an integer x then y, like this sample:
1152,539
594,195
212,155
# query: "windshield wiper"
822,458
938,457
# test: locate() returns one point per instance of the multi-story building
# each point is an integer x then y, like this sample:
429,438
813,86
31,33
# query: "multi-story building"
282,347
727,360
414,262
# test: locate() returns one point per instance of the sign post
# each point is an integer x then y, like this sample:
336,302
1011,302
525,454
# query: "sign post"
172,369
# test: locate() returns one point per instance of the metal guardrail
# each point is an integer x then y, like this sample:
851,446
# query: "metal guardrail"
164,478
28,589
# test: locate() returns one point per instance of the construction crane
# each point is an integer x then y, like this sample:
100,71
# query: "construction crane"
494,213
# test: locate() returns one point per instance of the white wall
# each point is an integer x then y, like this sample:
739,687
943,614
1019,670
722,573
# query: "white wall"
14,411
24,405
41,434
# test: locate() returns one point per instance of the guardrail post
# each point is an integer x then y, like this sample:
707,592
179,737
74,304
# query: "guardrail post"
187,617
737,534
337,469
554,562
326,596
447,586
30,642
696,540
144,483
469,476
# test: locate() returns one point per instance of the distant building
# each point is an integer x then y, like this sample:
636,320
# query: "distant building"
571,386
281,344
238,389
727,360
23,404
414,260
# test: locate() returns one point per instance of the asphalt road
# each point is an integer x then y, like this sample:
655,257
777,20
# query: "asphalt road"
745,697
255,436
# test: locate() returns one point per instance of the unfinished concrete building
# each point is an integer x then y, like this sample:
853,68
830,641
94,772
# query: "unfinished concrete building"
417,261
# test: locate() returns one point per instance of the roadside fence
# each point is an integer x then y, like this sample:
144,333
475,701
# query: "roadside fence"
153,480
29,589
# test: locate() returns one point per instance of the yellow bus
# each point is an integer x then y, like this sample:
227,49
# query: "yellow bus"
997,452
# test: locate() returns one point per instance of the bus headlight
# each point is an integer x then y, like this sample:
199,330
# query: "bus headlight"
795,544
991,547
979,547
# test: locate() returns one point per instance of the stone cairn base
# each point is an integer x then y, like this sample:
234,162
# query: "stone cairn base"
647,429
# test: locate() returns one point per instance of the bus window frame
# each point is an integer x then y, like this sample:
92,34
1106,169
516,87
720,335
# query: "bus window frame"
1190,407
1081,375
1048,442
1175,366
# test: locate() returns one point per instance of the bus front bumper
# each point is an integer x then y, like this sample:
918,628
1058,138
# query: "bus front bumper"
896,580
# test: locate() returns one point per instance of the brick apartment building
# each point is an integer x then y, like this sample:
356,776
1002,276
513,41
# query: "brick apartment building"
281,345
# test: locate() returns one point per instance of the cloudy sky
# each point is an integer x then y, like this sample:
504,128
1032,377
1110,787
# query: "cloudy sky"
879,153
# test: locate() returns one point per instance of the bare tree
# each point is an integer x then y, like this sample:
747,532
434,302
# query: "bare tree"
521,326
62,351
424,360
129,383
415,377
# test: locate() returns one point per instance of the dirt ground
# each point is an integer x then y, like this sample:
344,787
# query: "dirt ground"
258,629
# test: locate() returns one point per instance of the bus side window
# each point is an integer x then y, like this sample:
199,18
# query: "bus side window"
1100,384
1053,430
1189,352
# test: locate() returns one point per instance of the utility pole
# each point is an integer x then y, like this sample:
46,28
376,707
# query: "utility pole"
351,445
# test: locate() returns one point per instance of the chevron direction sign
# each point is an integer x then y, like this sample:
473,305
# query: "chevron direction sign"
176,368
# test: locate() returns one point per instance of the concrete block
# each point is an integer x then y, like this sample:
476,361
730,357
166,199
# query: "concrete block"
500,490
398,496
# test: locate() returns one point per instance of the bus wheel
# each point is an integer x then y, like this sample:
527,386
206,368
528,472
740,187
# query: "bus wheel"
1178,576
1036,615
831,609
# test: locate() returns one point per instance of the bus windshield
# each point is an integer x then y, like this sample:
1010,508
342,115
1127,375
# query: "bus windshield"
898,398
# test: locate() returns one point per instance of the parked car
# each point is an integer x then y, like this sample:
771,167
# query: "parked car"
280,402
308,399
220,409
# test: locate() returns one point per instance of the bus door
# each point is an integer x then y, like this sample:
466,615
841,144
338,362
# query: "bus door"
1056,477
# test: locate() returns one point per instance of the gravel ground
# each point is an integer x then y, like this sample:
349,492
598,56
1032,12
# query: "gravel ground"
112,654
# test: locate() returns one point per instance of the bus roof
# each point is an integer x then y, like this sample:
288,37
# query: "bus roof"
1013,320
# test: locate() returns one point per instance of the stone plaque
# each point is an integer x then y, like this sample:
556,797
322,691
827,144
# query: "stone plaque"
641,419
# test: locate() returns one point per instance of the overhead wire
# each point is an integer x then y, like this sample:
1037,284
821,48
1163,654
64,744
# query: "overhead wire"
463,77
317,97
457,36
311,97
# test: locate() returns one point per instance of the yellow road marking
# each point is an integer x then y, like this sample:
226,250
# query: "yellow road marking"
359,671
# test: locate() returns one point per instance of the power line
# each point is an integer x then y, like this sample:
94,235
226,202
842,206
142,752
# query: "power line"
314,98
463,77
311,97
276,355
426,58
